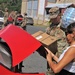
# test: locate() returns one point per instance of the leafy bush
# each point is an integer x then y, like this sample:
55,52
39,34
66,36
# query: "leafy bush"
10,4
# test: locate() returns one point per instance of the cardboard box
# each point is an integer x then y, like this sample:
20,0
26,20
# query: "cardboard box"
37,33
47,41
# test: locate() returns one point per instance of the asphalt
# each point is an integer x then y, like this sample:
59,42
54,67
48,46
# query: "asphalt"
33,29
35,63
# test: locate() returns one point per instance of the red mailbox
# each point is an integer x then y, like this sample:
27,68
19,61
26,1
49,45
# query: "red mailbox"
21,44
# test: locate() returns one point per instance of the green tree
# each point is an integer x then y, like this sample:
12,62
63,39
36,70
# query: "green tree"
10,4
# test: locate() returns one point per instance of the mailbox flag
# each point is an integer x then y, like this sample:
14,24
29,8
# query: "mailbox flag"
20,42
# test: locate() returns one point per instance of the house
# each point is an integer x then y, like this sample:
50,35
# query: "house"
37,9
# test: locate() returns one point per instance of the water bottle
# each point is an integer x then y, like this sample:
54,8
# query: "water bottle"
68,17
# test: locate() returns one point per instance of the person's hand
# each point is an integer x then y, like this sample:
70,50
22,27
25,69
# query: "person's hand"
48,51
49,54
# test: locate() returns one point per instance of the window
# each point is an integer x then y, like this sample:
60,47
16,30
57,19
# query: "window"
52,1
32,7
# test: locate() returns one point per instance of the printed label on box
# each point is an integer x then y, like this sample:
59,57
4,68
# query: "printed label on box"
39,37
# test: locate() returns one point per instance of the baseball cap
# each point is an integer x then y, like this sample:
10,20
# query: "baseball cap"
54,11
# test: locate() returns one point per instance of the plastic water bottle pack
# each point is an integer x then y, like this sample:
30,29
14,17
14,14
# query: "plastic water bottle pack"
68,17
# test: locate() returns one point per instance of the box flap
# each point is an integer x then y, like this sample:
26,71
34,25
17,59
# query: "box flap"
41,36
37,33
44,37
49,40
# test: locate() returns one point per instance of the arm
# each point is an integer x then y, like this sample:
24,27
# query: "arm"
68,57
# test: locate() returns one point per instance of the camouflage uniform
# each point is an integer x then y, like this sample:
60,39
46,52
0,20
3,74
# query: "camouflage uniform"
54,30
23,25
6,14
61,42
24,21
60,35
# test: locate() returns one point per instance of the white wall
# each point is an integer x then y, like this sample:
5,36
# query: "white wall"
41,7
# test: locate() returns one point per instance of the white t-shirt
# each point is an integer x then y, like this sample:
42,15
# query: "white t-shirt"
71,66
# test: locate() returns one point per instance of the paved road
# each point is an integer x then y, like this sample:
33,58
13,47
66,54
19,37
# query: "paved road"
35,63
33,29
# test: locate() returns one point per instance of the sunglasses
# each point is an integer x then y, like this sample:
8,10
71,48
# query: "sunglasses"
53,13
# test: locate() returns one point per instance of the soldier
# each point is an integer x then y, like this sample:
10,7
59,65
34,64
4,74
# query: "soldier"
10,20
15,15
24,21
6,14
55,30
19,20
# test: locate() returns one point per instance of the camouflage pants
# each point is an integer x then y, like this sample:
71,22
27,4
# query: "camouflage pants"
49,72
